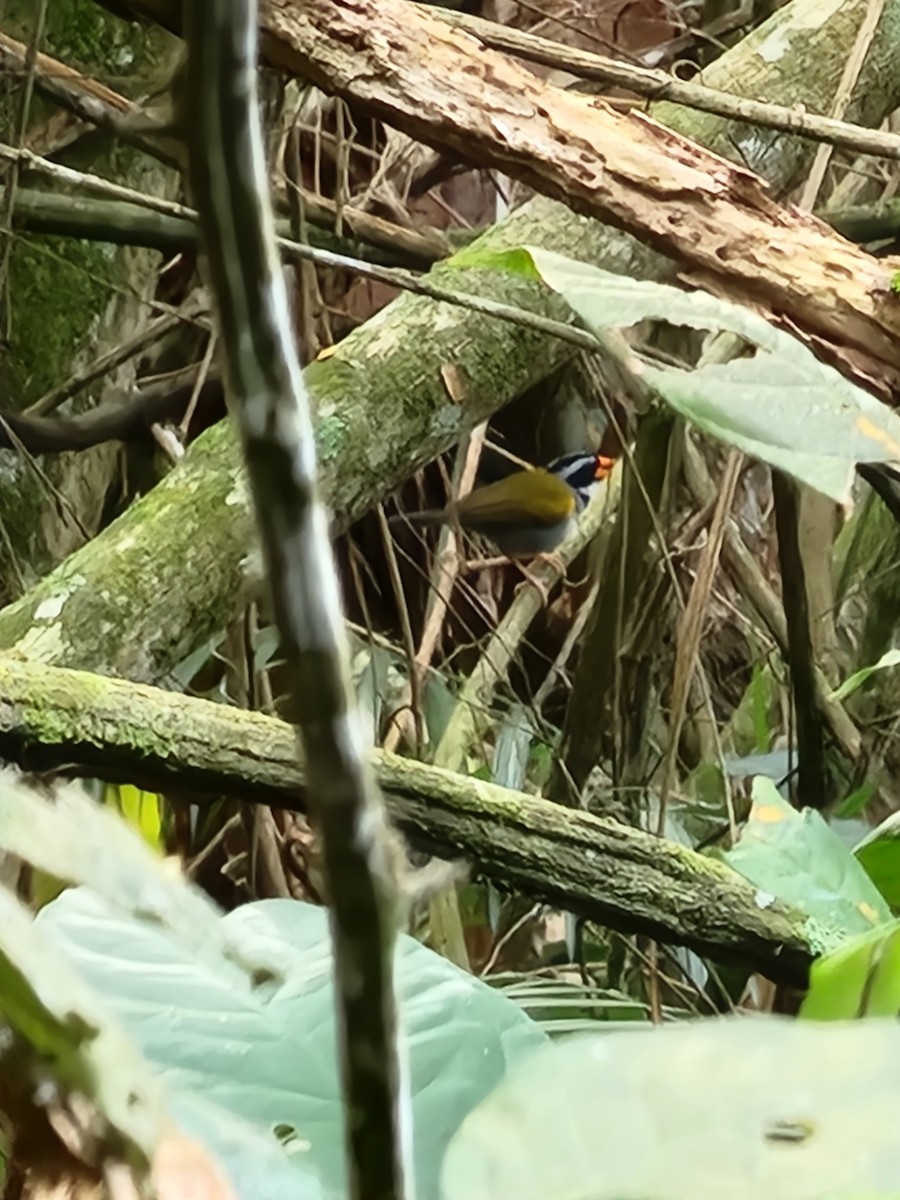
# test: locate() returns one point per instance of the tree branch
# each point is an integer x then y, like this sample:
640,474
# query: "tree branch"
169,574
716,219
660,85
59,720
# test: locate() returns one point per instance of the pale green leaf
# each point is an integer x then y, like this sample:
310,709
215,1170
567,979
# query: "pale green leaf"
891,658
797,857
858,979
738,1108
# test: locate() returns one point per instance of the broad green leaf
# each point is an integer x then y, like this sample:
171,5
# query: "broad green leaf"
511,749
782,406
738,1108
879,855
858,979
267,1053
727,401
798,858
890,658
258,1164
82,842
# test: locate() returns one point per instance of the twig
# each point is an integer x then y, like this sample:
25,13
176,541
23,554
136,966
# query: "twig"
87,99
659,85
446,558
812,775
842,97
691,628
12,179
573,633
208,353
494,663
445,921
445,565
392,276
101,366
409,645
228,175
752,584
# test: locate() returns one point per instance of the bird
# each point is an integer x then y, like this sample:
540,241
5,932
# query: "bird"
530,512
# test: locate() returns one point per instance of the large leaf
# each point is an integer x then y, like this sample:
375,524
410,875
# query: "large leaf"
783,405
81,842
859,979
739,1108
267,1052
258,1165
878,853
797,857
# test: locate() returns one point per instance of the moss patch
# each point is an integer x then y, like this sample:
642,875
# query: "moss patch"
60,287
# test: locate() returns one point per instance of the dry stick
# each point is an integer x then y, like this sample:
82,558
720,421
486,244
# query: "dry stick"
407,281
574,632
65,504
103,365
842,97
445,920
690,628
12,179
753,585
659,85
619,353
228,176
446,562
100,106
803,637
494,663
409,645
205,364
89,100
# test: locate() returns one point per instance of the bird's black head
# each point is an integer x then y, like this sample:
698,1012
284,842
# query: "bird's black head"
582,472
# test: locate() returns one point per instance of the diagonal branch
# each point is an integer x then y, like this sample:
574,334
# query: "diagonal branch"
716,219
55,719
148,591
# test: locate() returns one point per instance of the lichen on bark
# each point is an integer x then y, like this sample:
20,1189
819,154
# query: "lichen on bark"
70,300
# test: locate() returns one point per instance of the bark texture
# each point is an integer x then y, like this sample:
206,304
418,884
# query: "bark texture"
169,573
595,867
70,301
718,220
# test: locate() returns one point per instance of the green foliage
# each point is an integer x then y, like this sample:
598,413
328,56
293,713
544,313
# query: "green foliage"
858,979
46,1005
797,857
563,1007
236,1013
738,1108
267,1053
891,658
60,286
86,37
879,855
829,426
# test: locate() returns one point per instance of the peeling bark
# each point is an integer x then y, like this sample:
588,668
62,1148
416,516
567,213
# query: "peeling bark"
169,573
718,220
